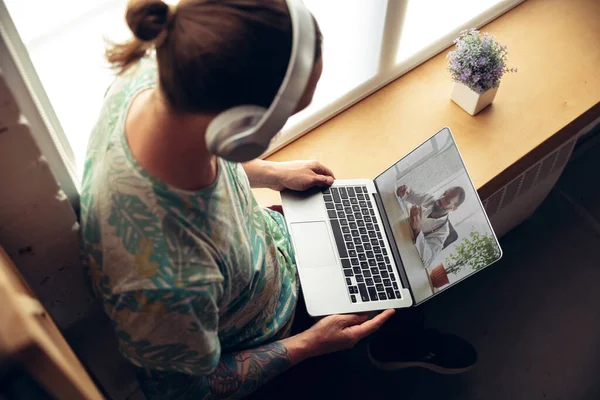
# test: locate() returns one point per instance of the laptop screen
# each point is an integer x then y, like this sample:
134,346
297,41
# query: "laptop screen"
440,227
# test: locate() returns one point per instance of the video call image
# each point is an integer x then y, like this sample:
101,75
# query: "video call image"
439,225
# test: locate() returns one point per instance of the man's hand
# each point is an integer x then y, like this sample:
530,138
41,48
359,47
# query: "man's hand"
416,219
402,191
301,175
341,332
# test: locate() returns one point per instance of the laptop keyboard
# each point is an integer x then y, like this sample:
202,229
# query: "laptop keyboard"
366,263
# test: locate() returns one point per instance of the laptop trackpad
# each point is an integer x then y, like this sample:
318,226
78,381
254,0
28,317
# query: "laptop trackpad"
312,244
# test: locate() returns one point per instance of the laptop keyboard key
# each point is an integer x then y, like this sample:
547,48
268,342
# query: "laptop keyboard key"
354,233
337,233
332,214
376,278
352,225
351,192
343,193
367,218
378,257
345,263
345,229
336,195
366,273
397,293
353,200
346,203
374,271
348,281
343,222
372,262
379,287
364,264
352,253
360,196
348,272
360,222
386,282
353,298
373,293
359,278
339,207
349,245
329,206
354,261
362,289
382,296
390,293
384,274
369,282
395,285
356,270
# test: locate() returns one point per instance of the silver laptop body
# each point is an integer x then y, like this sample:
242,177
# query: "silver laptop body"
333,279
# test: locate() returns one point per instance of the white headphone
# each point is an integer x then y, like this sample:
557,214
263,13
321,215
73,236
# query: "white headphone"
243,133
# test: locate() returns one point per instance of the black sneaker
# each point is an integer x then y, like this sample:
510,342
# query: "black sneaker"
441,353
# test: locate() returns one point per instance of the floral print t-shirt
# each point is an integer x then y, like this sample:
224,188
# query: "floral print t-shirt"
183,275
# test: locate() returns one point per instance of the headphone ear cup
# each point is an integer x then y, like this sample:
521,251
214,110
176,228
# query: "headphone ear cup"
231,131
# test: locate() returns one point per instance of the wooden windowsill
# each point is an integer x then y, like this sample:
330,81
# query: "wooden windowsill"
554,44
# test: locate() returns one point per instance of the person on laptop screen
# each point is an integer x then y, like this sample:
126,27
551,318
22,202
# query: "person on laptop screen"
429,219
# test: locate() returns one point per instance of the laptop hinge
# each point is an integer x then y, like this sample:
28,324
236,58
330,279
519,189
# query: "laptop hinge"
392,242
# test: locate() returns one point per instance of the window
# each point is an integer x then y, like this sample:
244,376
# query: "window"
367,43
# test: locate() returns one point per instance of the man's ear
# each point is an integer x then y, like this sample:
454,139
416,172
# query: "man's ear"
453,208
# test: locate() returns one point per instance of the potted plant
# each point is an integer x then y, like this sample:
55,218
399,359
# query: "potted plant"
439,277
473,252
476,66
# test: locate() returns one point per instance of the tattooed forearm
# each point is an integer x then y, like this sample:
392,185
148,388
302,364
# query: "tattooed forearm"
239,374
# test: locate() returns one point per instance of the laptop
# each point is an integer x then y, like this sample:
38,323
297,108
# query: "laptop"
396,241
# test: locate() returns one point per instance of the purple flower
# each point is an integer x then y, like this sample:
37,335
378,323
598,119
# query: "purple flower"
478,61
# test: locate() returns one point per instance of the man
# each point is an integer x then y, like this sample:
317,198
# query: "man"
429,219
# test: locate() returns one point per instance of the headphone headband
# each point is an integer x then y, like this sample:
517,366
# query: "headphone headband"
244,132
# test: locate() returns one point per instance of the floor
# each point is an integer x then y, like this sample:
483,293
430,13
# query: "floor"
534,317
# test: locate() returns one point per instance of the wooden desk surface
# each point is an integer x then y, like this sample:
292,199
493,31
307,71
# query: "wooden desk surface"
555,45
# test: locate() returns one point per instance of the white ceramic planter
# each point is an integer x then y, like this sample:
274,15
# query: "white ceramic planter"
471,101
